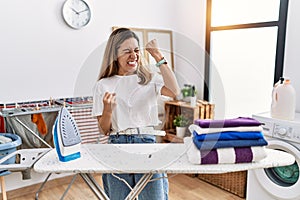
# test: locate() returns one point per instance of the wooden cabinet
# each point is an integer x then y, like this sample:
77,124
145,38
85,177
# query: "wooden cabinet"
202,110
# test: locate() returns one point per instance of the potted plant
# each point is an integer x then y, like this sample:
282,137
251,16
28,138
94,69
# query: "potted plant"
189,93
180,122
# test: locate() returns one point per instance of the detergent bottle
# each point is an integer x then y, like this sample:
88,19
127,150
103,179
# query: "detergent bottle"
283,100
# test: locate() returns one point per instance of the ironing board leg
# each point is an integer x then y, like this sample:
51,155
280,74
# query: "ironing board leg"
69,186
3,189
139,186
94,186
43,184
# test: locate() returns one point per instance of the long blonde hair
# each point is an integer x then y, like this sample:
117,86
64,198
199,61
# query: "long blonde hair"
110,65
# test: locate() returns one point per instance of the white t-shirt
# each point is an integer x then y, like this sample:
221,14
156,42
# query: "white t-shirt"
136,104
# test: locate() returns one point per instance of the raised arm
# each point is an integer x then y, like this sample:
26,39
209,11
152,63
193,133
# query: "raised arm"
170,87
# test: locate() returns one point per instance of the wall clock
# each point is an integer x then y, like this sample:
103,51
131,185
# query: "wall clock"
76,13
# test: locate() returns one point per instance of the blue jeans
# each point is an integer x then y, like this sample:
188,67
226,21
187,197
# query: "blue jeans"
118,190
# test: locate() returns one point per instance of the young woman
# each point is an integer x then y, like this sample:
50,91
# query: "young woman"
125,103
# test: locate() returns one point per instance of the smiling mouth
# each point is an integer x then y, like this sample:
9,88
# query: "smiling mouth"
132,63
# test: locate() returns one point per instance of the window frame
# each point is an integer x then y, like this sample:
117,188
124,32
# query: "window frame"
281,23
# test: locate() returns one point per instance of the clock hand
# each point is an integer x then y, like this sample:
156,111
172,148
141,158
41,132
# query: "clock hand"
74,10
82,11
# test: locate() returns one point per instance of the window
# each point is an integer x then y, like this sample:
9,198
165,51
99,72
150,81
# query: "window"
245,42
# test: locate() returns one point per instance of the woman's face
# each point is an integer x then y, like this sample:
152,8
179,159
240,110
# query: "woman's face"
128,56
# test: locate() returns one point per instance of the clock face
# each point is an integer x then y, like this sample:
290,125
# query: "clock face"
76,13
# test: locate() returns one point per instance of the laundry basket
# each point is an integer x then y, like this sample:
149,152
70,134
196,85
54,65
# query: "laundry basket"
8,148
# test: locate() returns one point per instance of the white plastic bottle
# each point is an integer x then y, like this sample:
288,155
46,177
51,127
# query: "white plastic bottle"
283,100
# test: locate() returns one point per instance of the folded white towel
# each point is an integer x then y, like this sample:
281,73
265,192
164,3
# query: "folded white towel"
200,130
223,155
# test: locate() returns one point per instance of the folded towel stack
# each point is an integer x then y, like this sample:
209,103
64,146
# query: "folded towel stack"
238,140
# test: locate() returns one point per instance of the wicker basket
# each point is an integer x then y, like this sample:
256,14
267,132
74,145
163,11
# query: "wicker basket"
234,182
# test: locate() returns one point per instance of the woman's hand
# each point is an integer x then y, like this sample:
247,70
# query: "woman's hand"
109,101
152,48
104,121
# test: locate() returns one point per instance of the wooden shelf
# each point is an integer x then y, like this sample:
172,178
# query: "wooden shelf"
171,137
203,110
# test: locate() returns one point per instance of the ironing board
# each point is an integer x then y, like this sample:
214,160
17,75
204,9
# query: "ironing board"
144,158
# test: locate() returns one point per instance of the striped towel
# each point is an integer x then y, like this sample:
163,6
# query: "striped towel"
224,155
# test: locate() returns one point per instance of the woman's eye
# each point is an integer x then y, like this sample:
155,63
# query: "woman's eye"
130,51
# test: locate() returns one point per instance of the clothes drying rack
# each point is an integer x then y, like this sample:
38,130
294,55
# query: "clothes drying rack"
18,114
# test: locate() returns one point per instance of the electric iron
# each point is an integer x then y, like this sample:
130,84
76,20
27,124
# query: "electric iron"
66,136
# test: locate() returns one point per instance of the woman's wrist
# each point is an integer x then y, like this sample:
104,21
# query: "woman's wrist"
107,112
163,61
157,56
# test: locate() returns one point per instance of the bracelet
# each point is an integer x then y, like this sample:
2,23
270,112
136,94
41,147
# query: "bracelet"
162,61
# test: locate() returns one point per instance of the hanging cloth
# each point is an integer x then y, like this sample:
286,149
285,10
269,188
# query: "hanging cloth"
38,119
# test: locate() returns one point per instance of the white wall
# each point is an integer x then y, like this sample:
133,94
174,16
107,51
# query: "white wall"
292,58
190,43
41,57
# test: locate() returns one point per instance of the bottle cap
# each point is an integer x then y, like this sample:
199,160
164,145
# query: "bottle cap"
281,79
